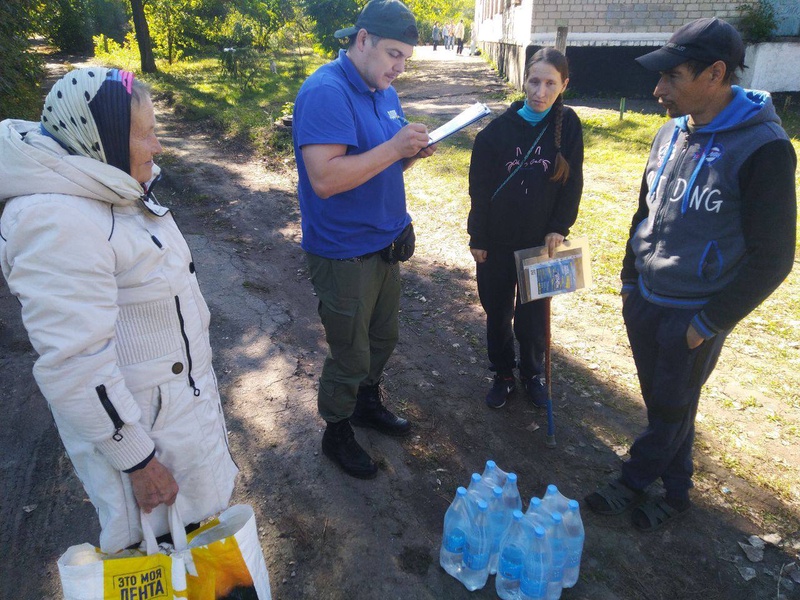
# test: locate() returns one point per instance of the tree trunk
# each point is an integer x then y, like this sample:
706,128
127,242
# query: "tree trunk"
143,37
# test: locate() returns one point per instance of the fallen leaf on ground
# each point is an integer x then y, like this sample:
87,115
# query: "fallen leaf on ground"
753,554
747,573
756,542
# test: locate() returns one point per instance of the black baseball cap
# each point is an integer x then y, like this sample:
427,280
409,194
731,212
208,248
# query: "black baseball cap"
706,40
385,18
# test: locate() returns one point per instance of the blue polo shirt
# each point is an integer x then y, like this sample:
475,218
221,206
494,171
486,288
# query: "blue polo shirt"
335,106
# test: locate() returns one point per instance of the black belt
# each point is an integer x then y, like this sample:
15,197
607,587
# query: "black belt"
361,258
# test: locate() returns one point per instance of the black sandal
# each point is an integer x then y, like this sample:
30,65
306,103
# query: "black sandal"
614,498
657,512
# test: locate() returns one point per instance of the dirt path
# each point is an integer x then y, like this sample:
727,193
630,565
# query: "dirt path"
326,535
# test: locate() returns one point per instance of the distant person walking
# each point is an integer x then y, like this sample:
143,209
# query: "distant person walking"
448,36
458,32
436,35
352,144
525,183
713,237
472,44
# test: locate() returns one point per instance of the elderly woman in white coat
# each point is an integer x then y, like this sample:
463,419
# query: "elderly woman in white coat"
112,306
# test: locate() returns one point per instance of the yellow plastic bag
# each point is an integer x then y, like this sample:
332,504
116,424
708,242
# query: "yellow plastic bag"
220,561
227,560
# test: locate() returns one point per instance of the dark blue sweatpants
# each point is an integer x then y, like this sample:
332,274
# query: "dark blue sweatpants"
671,377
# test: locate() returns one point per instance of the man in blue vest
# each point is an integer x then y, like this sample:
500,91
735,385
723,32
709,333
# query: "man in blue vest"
713,237
352,144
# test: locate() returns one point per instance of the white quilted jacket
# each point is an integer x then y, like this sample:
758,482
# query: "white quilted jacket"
112,307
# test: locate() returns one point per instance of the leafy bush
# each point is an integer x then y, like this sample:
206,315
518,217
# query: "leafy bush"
70,28
242,64
113,54
20,70
758,21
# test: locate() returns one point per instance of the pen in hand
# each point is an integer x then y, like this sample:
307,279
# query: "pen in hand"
403,122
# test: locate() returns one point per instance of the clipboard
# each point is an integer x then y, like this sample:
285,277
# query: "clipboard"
540,276
466,117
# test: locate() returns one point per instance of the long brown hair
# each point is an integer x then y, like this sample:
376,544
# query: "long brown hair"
558,61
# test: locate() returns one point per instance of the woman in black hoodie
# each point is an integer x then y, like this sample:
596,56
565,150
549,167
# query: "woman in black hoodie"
525,183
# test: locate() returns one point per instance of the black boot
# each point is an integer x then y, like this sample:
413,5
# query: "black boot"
370,412
340,445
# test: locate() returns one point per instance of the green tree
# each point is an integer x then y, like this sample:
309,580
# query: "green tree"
428,12
171,21
143,37
69,24
20,69
111,18
328,16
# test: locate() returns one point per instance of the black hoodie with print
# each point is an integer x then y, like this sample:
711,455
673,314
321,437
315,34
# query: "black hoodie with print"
529,205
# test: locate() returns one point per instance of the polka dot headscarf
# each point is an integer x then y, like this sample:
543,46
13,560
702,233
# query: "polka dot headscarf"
88,111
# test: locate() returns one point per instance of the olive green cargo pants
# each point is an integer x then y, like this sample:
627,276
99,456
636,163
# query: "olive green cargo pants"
358,303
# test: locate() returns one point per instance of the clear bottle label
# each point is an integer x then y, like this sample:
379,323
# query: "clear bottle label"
534,588
510,565
455,541
474,559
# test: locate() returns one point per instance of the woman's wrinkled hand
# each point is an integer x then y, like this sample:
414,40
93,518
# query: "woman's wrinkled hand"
153,485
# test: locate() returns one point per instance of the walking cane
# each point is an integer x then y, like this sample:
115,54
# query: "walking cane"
550,440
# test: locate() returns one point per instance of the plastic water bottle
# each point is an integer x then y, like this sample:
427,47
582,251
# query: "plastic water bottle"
557,538
475,564
512,554
493,475
536,567
476,491
456,524
499,519
575,536
536,514
554,501
511,498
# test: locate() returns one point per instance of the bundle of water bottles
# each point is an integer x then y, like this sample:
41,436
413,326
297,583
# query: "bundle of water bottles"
533,555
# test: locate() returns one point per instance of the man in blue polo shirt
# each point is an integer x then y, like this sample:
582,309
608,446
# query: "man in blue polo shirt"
352,144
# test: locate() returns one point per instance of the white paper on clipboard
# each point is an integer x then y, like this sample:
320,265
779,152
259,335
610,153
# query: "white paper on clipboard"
466,117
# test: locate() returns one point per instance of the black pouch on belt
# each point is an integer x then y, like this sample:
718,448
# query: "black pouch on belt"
402,248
